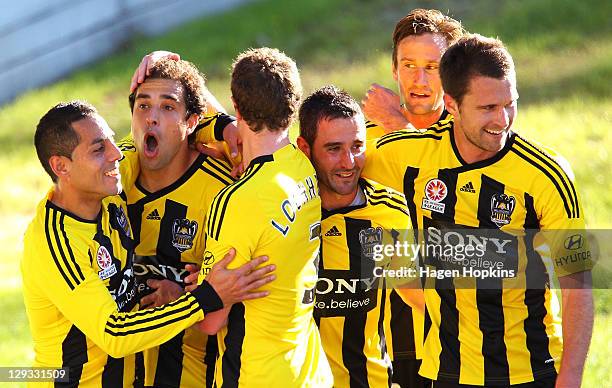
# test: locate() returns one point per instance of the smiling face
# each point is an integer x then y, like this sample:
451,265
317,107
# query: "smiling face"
159,124
93,168
484,117
418,61
338,155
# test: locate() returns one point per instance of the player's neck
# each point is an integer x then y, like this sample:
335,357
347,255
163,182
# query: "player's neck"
83,205
263,142
423,121
330,200
468,151
155,180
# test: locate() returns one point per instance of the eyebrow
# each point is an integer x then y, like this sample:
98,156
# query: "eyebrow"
164,96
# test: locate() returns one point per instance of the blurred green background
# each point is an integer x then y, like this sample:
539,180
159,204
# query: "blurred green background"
562,50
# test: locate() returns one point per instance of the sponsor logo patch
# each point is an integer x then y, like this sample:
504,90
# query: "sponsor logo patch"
435,192
123,222
574,242
105,262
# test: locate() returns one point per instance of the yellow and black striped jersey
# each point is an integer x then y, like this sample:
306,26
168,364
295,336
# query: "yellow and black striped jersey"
274,209
375,131
503,329
169,232
352,305
403,322
80,290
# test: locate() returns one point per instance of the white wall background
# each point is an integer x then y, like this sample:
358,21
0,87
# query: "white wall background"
44,40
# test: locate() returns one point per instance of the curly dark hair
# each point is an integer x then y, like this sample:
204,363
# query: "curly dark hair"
188,75
326,103
426,21
266,88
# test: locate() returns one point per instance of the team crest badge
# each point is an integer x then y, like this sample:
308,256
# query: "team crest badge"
105,262
435,192
123,222
183,233
502,207
369,238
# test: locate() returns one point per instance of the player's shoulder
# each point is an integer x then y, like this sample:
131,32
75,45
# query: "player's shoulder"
540,158
214,169
378,195
417,137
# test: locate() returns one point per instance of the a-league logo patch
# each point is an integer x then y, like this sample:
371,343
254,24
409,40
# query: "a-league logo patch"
123,222
435,192
369,238
183,233
502,207
105,262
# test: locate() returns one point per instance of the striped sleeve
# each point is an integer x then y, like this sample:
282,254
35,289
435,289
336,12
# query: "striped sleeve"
70,283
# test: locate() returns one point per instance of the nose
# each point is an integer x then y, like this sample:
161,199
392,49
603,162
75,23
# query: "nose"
347,160
502,119
152,118
114,153
420,76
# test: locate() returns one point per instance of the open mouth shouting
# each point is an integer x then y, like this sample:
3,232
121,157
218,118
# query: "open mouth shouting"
151,145
419,94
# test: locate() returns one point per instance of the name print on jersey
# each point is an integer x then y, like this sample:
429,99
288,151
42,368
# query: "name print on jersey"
297,195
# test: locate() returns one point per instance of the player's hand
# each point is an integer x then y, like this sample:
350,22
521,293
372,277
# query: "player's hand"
191,280
239,284
231,136
210,151
166,291
382,106
147,63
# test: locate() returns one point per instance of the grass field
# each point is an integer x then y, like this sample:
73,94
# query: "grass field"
562,49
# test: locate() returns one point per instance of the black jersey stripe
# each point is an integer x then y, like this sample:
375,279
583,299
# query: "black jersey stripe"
390,205
449,314
381,331
112,374
560,172
216,204
489,302
179,303
353,331
74,356
536,279
410,176
412,135
177,318
52,249
169,367
231,360
223,168
123,321
60,249
215,175
402,329
440,127
566,205
556,168
210,358
69,248
398,198
216,226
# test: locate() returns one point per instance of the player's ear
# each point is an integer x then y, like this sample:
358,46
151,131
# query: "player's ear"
303,146
452,106
192,122
238,115
394,71
60,165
